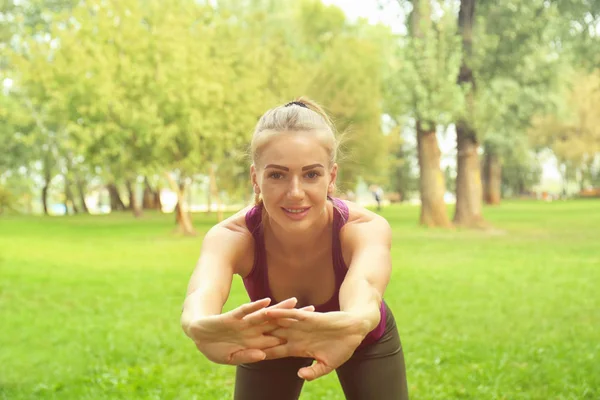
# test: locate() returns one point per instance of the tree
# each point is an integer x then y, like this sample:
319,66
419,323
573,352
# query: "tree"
128,90
44,128
151,89
308,48
517,62
401,177
521,170
574,133
579,31
29,132
349,82
423,87
468,175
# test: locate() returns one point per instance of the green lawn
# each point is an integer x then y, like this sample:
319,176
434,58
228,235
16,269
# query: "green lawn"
89,308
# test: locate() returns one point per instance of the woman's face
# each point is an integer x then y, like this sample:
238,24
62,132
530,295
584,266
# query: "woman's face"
294,177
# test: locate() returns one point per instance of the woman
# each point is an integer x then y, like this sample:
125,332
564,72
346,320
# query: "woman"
329,259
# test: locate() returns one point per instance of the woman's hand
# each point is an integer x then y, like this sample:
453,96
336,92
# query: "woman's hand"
329,338
238,336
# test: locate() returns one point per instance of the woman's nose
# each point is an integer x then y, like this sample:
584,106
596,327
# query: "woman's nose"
295,190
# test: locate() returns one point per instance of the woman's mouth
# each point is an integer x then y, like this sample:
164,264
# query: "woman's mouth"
296,213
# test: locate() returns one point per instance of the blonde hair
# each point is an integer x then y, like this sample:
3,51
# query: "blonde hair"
301,114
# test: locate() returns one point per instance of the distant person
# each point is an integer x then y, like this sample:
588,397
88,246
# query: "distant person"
315,268
378,195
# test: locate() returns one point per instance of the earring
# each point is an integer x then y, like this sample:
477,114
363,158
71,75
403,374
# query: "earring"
256,189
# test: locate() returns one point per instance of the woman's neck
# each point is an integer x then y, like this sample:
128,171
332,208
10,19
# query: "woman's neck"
291,243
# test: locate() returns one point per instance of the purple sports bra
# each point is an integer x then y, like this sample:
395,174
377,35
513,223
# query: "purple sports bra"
257,284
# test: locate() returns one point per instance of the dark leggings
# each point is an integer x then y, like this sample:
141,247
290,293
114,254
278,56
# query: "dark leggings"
376,371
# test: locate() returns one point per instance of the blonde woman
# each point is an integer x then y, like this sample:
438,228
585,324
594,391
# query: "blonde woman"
315,267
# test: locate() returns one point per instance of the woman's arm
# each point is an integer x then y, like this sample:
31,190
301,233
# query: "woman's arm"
240,335
210,283
367,241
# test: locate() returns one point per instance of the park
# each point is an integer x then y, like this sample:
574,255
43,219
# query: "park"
471,127
90,308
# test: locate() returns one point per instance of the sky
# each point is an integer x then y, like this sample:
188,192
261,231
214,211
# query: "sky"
393,15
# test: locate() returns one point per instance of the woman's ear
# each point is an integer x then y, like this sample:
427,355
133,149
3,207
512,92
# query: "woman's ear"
332,179
253,179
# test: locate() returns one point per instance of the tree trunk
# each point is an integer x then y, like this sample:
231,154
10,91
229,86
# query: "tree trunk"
45,197
431,180
468,180
209,195
69,199
565,178
521,188
130,196
133,203
157,201
81,192
149,197
581,179
492,173
469,196
116,204
182,215
47,179
180,188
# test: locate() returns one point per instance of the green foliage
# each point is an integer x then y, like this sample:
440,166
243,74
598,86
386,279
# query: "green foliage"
422,79
401,176
14,123
574,133
518,67
128,88
6,199
521,170
579,29
347,84
502,315
113,90
17,191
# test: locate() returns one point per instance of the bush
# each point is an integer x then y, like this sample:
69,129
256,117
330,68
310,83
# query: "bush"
7,200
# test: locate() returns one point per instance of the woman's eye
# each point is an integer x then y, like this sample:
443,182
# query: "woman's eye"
275,175
312,175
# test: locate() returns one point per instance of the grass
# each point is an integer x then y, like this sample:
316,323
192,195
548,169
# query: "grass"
89,308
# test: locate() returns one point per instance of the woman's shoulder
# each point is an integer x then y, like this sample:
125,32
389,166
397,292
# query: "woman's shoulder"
357,214
362,224
236,232
235,222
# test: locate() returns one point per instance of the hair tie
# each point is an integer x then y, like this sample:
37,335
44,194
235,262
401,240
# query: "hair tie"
296,103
